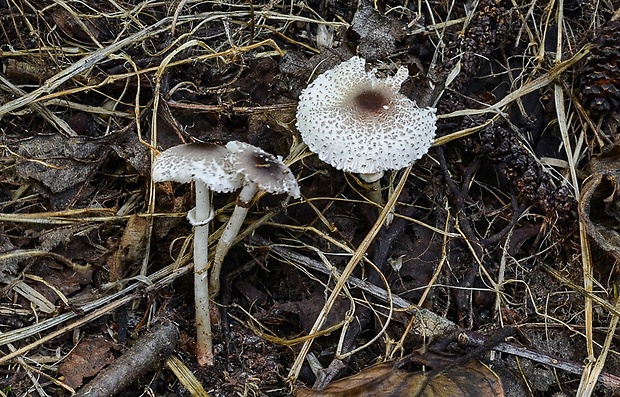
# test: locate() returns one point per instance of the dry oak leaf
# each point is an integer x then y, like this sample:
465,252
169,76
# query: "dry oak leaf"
386,380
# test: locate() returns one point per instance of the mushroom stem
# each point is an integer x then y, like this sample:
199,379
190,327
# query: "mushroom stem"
374,181
204,343
230,232
374,193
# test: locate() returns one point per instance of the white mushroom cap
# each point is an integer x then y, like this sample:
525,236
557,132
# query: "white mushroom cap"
360,123
208,163
264,169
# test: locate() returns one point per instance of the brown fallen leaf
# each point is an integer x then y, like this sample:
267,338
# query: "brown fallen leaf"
86,360
386,380
598,206
83,30
130,248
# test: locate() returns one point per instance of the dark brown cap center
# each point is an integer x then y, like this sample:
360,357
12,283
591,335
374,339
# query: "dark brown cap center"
371,101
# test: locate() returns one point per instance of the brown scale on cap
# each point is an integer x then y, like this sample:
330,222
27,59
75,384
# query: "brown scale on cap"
264,163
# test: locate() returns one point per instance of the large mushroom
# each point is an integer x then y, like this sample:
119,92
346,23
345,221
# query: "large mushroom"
360,123
260,171
209,166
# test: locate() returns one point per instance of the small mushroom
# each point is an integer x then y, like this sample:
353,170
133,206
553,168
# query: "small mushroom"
210,168
259,170
360,123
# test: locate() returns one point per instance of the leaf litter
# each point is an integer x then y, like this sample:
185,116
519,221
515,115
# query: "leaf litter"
508,223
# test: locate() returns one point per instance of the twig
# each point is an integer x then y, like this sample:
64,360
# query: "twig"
476,339
231,109
147,353
433,325
43,111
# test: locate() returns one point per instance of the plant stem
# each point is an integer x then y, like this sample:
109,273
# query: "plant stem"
204,343
230,232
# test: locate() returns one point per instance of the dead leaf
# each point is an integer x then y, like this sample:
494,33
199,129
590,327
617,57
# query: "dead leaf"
89,357
130,248
31,68
128,147
60,164
83,31
67,281
377,33
386,380
598,206
63,165
307,310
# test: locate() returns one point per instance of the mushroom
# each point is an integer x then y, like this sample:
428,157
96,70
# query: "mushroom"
210,168
360,123
259,170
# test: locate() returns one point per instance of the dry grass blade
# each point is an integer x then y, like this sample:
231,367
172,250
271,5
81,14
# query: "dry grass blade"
106,309
586,387
50,117
585,247
186,377
76,324
80,66
101,305
529,87
355,259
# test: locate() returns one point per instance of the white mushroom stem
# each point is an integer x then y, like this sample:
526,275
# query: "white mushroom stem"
230,232
200,219
374,193
210,168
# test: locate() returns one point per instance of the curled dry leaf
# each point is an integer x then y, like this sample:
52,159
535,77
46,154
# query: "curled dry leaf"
474,379
598,206
130,248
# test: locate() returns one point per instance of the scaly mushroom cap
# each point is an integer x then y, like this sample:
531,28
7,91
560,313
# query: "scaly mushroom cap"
208,163
360,123
266,170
